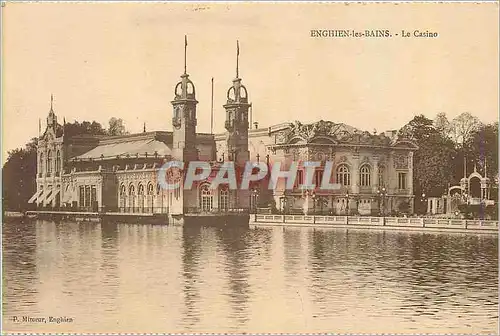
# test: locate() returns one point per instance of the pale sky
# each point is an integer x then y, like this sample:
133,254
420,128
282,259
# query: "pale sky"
123,60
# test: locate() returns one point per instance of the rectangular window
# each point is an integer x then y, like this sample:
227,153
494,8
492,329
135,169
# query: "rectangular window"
402,181
82,196
299,179
87,196
93,195
319,177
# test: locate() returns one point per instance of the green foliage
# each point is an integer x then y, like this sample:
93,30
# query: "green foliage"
116,126
84,128
444,147
432,162
18,177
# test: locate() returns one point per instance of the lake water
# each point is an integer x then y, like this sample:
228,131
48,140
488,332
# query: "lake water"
146,278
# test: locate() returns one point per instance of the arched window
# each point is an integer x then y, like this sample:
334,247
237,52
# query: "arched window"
206,198
131,193
49,162
381,173
343,175
123,196
140,197
150,190
224,199
58,162
365,176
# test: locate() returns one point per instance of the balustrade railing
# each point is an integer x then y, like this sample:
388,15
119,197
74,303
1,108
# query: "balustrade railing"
378,221
197,210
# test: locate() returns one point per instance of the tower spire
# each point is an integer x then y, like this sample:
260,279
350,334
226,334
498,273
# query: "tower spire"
237,59
51,102
185,53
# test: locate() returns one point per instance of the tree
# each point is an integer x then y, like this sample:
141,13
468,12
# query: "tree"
418,129
442,124
462,127
18,177
433,159
482,149
86,127
116,126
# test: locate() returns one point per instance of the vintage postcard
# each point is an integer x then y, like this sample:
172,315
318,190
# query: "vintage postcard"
181,168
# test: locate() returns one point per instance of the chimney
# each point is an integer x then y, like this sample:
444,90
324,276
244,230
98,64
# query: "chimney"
256,124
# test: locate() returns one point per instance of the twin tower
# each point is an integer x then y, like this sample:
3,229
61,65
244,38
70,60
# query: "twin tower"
184,118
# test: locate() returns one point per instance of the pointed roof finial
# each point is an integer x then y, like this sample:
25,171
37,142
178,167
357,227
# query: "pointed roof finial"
51,102
185,53
237,59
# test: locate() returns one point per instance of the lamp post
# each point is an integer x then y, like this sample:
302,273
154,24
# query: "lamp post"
253,199
422,199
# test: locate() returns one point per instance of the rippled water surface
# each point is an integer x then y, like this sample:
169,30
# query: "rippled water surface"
143,278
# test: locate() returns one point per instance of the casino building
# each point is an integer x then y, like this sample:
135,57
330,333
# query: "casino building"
119,174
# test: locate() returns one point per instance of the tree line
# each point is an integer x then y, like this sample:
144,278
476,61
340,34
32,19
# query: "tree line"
449,150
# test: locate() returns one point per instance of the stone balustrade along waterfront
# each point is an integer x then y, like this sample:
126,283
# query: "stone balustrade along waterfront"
409,223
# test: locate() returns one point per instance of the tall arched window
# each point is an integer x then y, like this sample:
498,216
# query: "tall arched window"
140,197
150,197
49,162
365,176
131,199
224,199
381,174
123,197
206,198
58,162
343,175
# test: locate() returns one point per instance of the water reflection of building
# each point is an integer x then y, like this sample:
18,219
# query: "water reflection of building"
120,173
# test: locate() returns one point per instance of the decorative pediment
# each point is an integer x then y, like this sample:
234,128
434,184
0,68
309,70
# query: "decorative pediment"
401,162
405,144
364,160
328,132
342,159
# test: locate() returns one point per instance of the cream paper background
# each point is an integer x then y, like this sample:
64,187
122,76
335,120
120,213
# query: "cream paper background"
124,59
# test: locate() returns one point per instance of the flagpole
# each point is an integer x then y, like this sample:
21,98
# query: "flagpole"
212,110
237,58
185,53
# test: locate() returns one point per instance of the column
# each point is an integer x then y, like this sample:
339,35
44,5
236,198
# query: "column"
410,173
355,174
375,174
